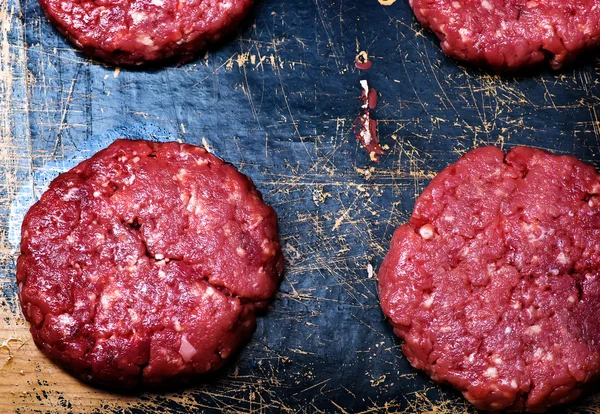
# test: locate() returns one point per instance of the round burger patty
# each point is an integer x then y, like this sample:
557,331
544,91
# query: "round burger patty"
494,284
510,34
131,32
146,263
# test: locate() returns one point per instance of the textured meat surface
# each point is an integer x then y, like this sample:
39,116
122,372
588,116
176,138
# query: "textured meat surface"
146,263
132,32
510,34
494,283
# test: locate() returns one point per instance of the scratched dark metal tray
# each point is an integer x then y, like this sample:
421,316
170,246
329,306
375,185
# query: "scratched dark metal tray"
278,101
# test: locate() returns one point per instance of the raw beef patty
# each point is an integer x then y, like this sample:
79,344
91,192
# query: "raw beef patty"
510,34
131,32
494,284
146,263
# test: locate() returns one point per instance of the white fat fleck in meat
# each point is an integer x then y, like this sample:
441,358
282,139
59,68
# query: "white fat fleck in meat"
136,160
186,350
456,5
133,315
554,272
562,258
370,272
225,5
497,360
97,194
572,299
514,384
538,353
159,256
209,292
158,3
365,86
192,202
533,330
177,325
65,322
465,35
365,133
131,260
427,231
235,195
491,372
516,305
445,329
202,161
71,193
162,274
181,174
145,40
137,17
530,229
507,330
109,297
428,301
487,5
241,252
268,251
130,180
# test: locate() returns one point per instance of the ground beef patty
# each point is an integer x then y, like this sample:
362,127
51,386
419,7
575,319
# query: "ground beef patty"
146,263
510,34
494,284
131,32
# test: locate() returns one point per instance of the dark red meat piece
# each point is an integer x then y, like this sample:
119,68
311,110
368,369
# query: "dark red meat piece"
146,263
131,32
494,284
362,61
365,127
510,34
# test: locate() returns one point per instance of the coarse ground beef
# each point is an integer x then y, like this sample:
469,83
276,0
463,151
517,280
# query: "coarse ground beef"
511,34
494,284
131,32
146,264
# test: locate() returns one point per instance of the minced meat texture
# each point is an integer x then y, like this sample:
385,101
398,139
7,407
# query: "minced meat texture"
131,32
511,34
494,284
146,263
